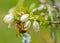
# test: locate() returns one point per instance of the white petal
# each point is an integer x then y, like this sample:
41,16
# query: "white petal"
8,18
24,17
27,24
36,26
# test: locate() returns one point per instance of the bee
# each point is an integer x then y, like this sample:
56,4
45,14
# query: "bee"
20,28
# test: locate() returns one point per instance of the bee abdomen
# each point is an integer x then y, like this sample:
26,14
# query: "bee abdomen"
23,31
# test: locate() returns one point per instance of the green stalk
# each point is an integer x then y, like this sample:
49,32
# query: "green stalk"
57,35
19,5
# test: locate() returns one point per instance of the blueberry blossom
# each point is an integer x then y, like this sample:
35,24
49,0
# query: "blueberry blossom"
26,38
41,7
35,9
24,17
36,26
27,24
8,18
11,10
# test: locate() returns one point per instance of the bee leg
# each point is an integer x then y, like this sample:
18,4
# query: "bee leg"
17,32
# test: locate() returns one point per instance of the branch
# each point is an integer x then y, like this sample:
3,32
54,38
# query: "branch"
55,22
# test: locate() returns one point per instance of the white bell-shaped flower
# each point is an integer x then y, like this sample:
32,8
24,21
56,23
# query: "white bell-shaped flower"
26,38
27,35
27,24
11,10
24,17
35,9
41,7
36,26
8,18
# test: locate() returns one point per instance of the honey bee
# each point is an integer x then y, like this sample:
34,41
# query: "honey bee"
20,28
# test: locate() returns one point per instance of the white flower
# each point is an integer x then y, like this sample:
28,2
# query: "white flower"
11,10
35,9
36,26
26,38
27,24
24,17
41,7
8,18
27,35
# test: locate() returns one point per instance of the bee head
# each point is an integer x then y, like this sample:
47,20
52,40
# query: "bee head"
18,22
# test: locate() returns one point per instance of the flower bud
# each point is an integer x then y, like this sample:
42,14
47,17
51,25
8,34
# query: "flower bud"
36,26
8,18
27,24
26,38
11,10
24,17
34,10
27,35
41,7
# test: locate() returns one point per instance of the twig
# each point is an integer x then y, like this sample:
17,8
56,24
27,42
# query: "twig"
55,22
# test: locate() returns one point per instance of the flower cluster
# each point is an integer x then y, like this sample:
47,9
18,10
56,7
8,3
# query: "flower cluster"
24,18
34,19
31,20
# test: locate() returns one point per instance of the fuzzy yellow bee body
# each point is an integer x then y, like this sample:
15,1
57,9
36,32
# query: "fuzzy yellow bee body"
20,28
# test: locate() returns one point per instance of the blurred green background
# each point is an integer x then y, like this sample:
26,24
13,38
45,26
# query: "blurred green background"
9,35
